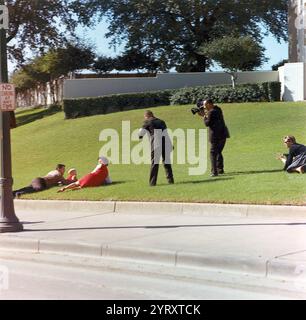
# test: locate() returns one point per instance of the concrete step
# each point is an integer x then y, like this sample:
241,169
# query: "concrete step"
202,209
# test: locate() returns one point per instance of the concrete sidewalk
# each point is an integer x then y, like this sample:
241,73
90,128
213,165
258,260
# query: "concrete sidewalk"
264,246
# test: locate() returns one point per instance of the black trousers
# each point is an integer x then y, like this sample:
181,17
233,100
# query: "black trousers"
216,157
38,184
156,155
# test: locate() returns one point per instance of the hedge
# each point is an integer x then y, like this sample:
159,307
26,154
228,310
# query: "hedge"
273,90
268,91
82,107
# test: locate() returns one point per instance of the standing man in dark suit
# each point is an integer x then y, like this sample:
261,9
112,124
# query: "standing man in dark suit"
161,146
218,133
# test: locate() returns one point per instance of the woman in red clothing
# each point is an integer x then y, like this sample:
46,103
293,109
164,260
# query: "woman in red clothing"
94,179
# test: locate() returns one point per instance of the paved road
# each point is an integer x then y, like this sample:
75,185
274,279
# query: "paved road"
34,280
274,249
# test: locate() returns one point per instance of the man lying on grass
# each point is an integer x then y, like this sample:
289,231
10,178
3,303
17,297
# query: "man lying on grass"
295,161
96,178
52,179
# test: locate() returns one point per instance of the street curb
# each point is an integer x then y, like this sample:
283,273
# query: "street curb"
65,206
169,208
275,268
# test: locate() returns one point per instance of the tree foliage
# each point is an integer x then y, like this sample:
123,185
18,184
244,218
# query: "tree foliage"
62,61
38,25
235,54
129,61
276,66
104,64
49,67
171,31
134,59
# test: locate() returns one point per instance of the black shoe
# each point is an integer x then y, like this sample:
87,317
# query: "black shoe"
221,171
171,181
17,195
213,175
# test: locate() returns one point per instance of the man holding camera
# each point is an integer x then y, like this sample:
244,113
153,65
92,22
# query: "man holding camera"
218,133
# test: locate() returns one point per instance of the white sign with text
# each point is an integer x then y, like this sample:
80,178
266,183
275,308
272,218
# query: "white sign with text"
4,17
7,97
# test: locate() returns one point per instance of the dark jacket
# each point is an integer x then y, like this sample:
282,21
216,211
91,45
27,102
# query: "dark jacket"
216,124
295,150
161,134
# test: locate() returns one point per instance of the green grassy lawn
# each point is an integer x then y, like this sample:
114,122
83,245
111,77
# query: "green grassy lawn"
253,175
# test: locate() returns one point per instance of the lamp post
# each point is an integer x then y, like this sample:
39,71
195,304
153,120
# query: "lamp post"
8,219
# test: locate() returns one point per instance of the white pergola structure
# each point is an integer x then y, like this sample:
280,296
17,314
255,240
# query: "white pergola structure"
293,74
297,31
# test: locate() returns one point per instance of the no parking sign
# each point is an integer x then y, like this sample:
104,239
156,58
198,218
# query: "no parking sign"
4,17
7,97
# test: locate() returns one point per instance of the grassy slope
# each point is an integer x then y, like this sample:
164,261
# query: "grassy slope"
256,131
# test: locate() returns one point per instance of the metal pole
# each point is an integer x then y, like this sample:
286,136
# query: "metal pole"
8,219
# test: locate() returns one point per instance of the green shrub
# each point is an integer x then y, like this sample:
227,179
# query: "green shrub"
82,107
269,91
274,91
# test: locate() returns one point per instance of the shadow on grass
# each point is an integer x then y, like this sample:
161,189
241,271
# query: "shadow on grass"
171,226
115,183
103,186
240,173
211,180
23,118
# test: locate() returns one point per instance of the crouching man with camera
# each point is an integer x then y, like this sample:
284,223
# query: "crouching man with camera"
218,133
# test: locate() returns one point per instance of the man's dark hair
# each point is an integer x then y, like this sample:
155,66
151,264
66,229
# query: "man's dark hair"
210,101
149,113
60,166
291,139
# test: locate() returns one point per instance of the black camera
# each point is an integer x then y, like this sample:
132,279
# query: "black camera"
199,108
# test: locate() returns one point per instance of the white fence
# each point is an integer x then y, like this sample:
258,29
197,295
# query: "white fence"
99,87
42,95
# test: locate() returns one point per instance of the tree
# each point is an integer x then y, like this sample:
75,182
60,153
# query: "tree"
134,59
235,54
23,80
104,64
30,76
275,67
38,25
61,61
171,31
47,68
129,61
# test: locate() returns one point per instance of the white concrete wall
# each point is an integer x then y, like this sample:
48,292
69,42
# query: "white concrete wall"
281,71
293,79
100,87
